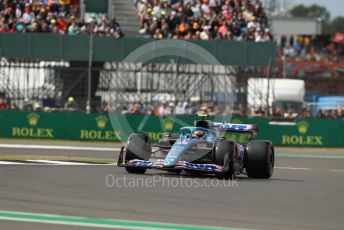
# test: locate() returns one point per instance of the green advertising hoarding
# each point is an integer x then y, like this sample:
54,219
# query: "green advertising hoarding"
114,127
53,47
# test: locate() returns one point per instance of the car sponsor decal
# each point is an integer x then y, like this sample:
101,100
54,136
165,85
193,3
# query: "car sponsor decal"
180,165
182,142
230,126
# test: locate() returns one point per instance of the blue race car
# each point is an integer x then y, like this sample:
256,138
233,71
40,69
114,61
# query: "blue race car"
202,148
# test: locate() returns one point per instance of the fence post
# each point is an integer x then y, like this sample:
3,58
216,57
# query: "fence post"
90,57
268,90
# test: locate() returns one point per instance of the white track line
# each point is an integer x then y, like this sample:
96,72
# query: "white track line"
59,162
11,163
292,168
57,147
336,170
51,163
68,223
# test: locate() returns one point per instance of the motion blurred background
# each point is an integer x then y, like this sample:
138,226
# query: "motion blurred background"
69,98
283,60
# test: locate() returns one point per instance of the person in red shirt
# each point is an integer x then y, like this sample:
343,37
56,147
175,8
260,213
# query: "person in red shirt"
2,104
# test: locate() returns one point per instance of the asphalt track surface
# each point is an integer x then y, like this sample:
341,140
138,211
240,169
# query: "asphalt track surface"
304,193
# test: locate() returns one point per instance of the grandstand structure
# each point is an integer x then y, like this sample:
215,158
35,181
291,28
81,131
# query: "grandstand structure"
81,54
31,75
127,17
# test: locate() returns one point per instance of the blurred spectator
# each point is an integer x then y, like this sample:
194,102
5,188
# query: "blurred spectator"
150,110
71,105
188,109
88,106
320,114
24,16
241,108
106,107
204,19
204,109
334,114
160,110
214,110
168,109
13,105
259,112
304,113
135,109
125,110
290,114
2,103
341,113
37,105
180,109
277,112
115,28
27,105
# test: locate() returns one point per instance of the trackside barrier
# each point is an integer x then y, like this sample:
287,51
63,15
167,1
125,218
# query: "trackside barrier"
102,127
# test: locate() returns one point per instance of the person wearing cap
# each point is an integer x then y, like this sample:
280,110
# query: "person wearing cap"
71,105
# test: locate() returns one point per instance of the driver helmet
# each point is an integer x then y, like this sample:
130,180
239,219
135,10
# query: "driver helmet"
198,134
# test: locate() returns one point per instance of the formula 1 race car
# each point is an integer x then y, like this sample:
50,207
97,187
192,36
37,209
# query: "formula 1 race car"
202,148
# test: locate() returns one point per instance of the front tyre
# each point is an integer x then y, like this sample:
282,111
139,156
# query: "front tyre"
259,159
138,147
225,156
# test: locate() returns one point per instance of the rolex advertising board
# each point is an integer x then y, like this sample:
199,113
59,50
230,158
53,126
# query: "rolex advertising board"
114,127
307,133
27,125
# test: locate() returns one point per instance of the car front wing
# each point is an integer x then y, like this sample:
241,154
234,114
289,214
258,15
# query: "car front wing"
159,164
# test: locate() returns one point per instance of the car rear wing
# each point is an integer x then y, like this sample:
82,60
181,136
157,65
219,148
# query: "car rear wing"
238,128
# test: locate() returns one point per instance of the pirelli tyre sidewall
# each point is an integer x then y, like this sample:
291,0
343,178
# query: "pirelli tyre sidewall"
259,159
138,147
224,155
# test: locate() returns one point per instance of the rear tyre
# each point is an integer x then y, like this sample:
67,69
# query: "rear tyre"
225,156
259,159
138,147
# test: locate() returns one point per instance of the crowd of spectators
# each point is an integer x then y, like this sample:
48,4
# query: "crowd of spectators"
310,55
186,108
162,109
204,19
11,104
277,114
318,48
330,114
47,16
171,108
